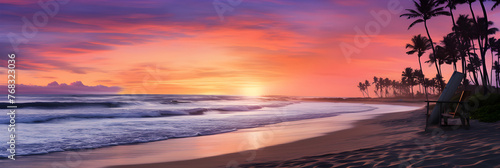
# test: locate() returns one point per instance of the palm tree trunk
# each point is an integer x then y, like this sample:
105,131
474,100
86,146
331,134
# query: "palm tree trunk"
485,49
452,17
454,65
491,72
440,68
473,46
411,87
386,92
474,73
472,12
480,74
456,37
474,81
464,69
425,87
381,92
464,63
498,82
432,46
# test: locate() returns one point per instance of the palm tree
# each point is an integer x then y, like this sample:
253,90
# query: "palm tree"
483,27
451,54
474,66
425,10
377,85
485,39
410,78
387,84
361,87
496,66
452,5
482,40
439,82
367,84
394,88
419,45
381,86
427,82
431,83
462,31
437,59
494,47
479,29
420,78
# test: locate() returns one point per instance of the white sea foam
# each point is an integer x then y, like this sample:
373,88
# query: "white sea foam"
147,118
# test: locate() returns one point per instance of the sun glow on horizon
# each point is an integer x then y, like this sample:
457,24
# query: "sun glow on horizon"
252,91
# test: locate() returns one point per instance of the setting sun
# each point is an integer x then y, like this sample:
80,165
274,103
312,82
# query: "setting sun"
252,91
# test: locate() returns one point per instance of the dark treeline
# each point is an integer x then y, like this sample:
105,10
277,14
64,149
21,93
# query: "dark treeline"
465,49
412,84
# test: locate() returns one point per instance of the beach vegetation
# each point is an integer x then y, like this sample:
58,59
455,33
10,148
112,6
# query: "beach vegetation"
487,108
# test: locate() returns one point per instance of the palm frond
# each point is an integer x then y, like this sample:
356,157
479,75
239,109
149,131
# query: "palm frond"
415,22
497,2
411,52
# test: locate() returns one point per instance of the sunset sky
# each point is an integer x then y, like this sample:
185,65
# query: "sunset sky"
264,47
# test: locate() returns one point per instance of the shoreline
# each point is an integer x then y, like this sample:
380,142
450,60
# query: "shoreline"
102,157
389,140
361,134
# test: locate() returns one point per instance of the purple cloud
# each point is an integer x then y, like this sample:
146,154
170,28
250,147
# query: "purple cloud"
74,88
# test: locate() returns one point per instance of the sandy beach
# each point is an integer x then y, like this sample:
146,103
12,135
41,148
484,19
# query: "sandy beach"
249,144
390,140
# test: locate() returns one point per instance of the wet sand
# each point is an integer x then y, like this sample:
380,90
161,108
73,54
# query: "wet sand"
381,130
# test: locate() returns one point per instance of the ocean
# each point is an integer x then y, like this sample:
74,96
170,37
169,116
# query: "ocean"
54,123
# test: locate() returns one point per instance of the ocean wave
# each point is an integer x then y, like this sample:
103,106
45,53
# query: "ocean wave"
44,117
58,105
87,128
183,99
